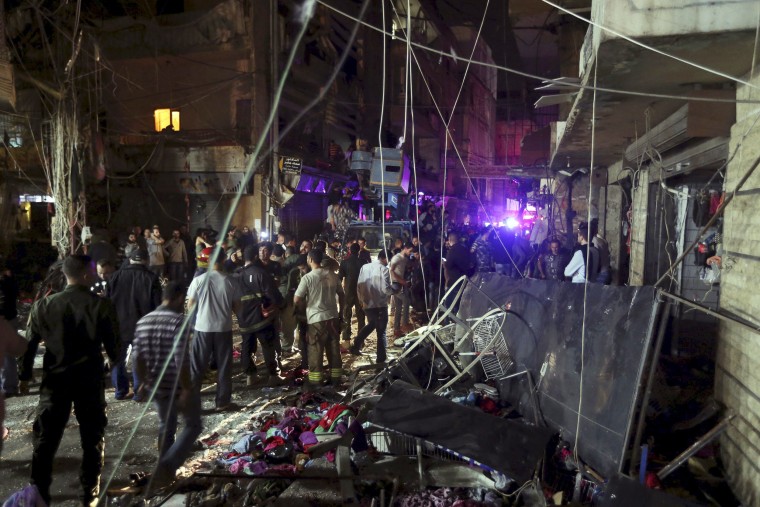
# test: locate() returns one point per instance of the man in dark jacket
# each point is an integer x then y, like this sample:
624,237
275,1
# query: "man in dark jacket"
458,260
349,276
257,316
135,291
74,324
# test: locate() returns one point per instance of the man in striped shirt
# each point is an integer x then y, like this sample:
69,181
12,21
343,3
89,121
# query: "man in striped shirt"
162,361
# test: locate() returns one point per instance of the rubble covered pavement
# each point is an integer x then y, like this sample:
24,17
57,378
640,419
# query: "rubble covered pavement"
405,434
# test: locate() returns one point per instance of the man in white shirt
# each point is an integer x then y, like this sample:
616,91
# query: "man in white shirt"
373,290
318,291
216,296
576,269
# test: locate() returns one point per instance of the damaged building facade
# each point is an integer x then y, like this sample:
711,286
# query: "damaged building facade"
184,92
131,113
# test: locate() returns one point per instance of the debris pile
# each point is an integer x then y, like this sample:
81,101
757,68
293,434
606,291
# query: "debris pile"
484,411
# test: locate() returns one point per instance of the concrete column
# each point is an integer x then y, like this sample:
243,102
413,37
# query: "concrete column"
264,20
612,230
639,228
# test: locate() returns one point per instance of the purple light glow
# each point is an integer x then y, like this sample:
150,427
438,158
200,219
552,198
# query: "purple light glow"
512,223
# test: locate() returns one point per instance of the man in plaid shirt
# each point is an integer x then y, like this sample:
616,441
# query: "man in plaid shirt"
164,369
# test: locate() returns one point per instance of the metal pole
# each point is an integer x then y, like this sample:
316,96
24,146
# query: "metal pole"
420,466
695,447
648,389
274,130
713,313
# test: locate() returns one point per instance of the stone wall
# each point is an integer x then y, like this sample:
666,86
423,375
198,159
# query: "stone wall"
737,377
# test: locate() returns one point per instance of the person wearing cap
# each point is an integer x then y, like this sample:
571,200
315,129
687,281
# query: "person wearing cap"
257,317
374,289
135,291
161,351
214,295
318,291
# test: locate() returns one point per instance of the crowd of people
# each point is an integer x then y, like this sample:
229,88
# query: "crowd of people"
288,297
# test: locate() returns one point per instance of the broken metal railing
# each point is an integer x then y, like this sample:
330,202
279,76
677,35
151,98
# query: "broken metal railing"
498,364
491,350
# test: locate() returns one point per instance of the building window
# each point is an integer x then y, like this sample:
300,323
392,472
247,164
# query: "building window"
164,119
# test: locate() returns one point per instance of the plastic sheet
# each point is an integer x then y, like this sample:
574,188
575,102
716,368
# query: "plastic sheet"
544,333
510,447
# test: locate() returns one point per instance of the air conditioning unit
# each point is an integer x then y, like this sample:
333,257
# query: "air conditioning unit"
390,171
361,161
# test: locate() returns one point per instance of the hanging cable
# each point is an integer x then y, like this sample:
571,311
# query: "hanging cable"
254,162
469,62
648,47
159,144
587,270
461,161
380,139
528,75
416,188
406,73
712,220
444,232
216,252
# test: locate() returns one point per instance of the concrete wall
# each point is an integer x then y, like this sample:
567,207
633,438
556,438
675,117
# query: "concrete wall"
199,91
612,232
737,377
639,228
614,209
251,207
654,18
